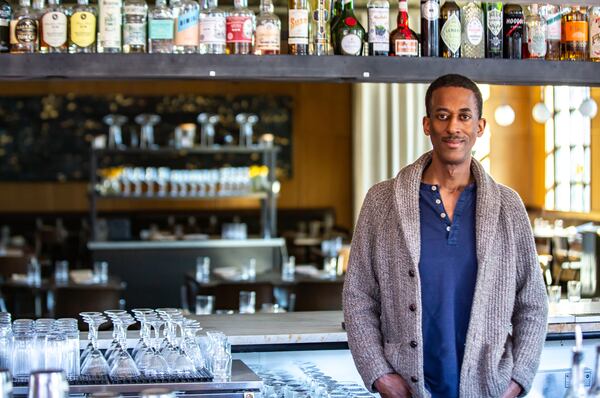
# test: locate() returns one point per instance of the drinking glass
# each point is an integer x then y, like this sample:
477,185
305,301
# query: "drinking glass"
61,272
554,293
123,366
574,291
220,356
156,365
247,302
100,272
94,364
203,269
147,123
288,269
205,305
34,272
191,347
115,135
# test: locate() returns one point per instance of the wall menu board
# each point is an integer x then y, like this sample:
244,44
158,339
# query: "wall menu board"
48,138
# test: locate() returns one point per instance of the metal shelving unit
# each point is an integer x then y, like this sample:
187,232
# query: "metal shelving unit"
292,68
268,199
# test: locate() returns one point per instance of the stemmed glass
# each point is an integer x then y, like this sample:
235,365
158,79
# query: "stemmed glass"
115,135
94,363
147,122
192,349
156,365
143,349
207,129
123,365
179,362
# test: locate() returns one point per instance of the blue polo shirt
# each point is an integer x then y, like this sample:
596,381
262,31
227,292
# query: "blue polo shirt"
448,270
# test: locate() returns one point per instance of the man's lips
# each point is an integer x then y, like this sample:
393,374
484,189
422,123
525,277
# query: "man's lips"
453,142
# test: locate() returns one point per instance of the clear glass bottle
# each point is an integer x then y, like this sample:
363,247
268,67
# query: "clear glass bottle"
450,30
213,29
109,26
577,388
135,17
551,13
82,28
320,32
268,30
298,27
240,29
534,43
378,12
403,40
5,16
53,28
594,13
575,34
473,42
186,27
161,28
23,29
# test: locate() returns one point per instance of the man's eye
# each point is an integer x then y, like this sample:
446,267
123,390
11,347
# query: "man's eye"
465,117
442,117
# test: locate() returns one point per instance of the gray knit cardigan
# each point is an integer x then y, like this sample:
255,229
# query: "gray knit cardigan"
508,321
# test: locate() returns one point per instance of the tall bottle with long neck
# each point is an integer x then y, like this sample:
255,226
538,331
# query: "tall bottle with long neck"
513,31
430,28
494,36
109,26
320,33
473,43
379,27
213,29
298,27
403,40
450,30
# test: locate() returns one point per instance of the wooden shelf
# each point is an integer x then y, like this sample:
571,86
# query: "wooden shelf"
256,195
292,68
186,151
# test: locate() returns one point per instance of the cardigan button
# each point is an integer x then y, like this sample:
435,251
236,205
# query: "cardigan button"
413,344
411,273
412,307
414,379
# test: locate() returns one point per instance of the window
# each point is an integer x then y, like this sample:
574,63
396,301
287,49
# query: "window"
482,148
568,158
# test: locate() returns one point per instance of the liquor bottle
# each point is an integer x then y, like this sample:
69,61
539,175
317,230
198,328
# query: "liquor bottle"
338,7
109,26
161,28
23,29
403,41
53,29
534,38
348,32
513,31
430,28
298,27
240,28
577,387
135,17
595,33
186,27
213,29
472,43
5,16
268,30
378,12
574,40
494,35
82,28
450,32
551,13
320,32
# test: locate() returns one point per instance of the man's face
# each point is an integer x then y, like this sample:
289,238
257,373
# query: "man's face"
454,124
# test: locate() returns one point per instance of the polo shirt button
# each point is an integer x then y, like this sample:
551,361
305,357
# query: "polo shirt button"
414,379
433,188
413,344
443,215
448,228
411,273
412,307
437,201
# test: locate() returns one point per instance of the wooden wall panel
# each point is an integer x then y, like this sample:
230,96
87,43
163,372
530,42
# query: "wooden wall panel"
321,158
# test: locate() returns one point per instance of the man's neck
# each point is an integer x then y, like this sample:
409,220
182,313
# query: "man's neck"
449,177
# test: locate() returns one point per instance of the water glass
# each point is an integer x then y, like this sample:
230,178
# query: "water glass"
100,272
574,291
205,305
34,272
288,269
203,269
554,293
249,270
247,302
61,272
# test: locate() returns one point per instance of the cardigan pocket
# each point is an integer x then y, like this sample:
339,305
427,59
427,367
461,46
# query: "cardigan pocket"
498,373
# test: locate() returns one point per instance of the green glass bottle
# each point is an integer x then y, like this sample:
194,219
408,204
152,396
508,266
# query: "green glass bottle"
348,33
338,7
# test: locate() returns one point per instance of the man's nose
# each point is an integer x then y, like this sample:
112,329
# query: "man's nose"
453,125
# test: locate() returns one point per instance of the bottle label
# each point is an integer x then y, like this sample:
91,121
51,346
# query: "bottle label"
268,37
321,16
26,31
298,26
83,28
161,29
187,29
406,48
351,44
553,26
12,36
595,37
134,34
54,29
134,10
239,29
430,10
494,21
536,42
474,31
513,25
213,30
451,33
109,31
379,25
576,31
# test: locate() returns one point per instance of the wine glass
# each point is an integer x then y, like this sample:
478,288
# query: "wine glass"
94,364
123,367
147,122
115,135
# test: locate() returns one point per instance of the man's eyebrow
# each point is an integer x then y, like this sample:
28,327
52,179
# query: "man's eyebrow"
461,110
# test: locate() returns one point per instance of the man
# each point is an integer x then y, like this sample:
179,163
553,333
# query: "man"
444,296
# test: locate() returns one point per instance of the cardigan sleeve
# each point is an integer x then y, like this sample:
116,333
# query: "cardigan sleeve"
531,304
361,300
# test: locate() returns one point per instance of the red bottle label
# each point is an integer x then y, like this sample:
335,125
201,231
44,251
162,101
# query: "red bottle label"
350,21
239,29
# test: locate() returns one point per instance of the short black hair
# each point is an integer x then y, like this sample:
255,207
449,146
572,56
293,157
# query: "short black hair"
453,80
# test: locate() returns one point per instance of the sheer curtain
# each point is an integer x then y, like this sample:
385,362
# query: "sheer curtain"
387,132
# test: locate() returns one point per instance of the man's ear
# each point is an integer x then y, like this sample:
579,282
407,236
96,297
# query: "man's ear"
482,123
427,125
